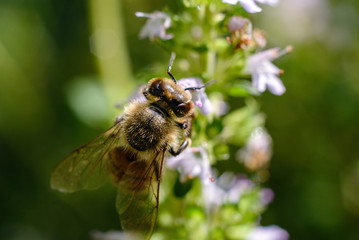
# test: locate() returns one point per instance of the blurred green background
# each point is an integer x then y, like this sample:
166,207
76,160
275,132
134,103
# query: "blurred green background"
55,54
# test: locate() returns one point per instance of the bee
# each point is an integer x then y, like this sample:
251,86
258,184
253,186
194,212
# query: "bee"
131,153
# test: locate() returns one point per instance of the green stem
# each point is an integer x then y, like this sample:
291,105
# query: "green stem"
211,36
211,64
109,45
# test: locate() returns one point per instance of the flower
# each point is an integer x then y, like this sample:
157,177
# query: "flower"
192,162
257,151
266,196
239,185
199,96
155,26
260,38
267,233
250,5
219,106
238,23
264,73
241,32
228,188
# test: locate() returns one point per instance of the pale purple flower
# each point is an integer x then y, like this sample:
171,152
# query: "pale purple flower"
237,187
212,195
219,106
266,196
238,23
264,73
228,188
156,25
250,5
257,151
199,97
267,233
241,29
192,162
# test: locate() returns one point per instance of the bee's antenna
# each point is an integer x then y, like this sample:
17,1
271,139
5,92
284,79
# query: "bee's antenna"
203,86
173,56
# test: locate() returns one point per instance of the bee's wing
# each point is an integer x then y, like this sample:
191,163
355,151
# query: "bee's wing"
86,167
138,192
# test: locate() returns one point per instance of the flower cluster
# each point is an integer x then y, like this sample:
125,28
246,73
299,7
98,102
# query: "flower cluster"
216,40
193,162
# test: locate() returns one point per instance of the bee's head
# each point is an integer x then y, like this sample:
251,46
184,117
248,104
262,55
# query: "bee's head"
166,92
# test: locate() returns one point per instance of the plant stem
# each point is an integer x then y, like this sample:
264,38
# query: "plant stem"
211,64
109,45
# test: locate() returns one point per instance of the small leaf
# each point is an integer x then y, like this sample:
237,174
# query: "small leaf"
242,89
181,189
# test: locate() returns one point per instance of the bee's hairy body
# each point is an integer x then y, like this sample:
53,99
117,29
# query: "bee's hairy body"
153,125
146,128
132,153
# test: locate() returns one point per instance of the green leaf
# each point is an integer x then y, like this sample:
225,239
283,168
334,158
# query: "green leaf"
195,217
242,89
214,128
221,151
229,214
239,124
217,233
181,189
238,231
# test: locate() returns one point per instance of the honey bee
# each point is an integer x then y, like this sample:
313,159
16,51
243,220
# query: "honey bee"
132,152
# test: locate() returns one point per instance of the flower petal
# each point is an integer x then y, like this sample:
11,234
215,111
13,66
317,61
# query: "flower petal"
269,68
268,233
250,6
233,2
156,25
192,162
269,2
275,85
264,73
199,97
256,59
260,81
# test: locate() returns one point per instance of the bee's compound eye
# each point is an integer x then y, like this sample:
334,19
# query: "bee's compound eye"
156,88
182,109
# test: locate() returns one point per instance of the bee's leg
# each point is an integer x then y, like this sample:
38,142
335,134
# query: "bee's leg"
185,143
